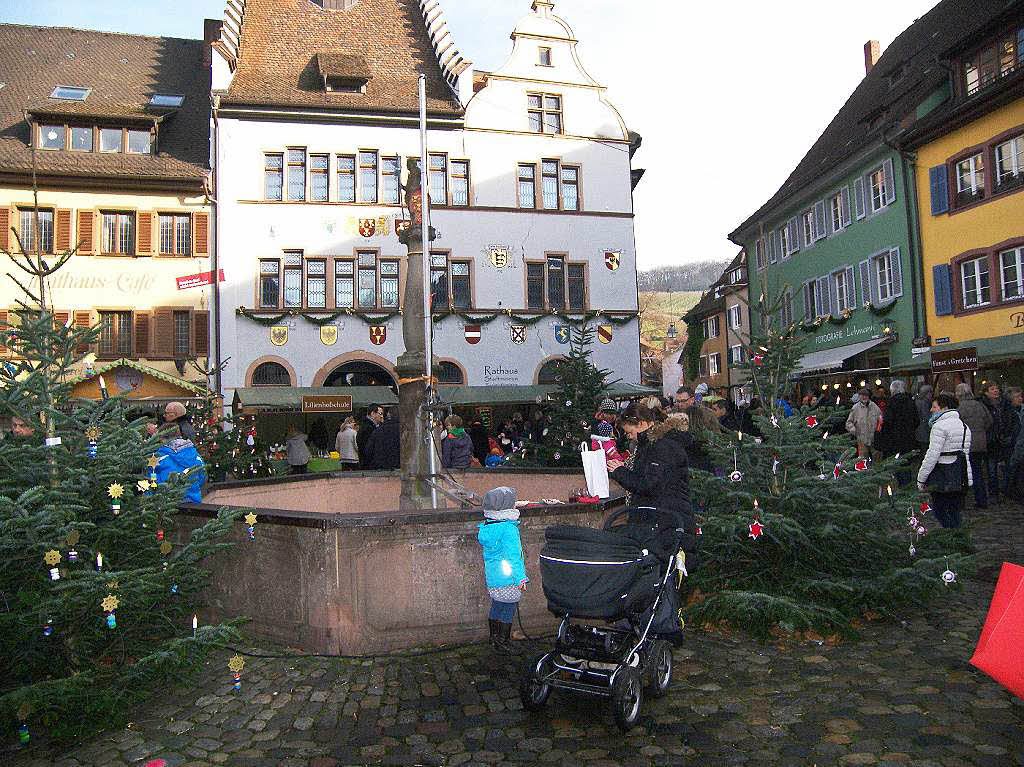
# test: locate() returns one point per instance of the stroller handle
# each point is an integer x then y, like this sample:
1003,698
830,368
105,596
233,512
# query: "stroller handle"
659,515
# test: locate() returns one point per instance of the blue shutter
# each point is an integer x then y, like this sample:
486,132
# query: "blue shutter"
771,247
826,304
844,200
794,236
897,272
873,277
851,288
833,294
943,278
865,282
819,220
890,181
808,301
939,183
858,198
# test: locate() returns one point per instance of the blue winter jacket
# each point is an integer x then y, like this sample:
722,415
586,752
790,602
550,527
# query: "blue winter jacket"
503,554
177,456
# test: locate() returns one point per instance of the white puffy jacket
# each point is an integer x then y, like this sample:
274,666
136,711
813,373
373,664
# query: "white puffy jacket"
948,434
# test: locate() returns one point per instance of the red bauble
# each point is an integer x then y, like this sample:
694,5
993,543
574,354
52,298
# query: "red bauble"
758,360
756,530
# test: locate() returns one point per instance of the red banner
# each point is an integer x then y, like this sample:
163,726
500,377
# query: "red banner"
198,280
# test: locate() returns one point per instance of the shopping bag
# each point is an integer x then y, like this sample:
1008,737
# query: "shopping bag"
998,652
595,468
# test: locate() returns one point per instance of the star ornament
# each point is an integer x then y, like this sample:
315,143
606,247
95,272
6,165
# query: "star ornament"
116,490
92,433
861,465
143,485
811,421
51,557
153,461
236,663
756,530
250,519
109,603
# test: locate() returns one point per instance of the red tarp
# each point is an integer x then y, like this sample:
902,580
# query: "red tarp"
999,650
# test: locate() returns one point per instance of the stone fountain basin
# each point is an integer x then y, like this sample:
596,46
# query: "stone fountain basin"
336,569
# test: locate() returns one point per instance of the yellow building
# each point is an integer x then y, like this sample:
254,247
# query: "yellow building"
970,182
116,130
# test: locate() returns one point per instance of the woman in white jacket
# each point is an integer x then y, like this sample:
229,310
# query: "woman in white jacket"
948,439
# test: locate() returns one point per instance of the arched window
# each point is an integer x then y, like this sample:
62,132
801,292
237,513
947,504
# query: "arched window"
271,374
449,373
549,372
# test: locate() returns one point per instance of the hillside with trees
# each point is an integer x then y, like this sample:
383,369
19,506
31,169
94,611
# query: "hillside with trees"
695,276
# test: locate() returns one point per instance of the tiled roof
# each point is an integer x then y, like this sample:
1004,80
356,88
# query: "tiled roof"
123,71
281,38
343,65
124,362
918,50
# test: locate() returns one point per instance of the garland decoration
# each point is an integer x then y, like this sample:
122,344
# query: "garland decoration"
369,318
840,318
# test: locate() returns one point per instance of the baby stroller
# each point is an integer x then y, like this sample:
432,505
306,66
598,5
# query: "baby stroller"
622,576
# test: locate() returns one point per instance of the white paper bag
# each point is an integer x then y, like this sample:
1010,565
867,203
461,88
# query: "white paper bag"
595,468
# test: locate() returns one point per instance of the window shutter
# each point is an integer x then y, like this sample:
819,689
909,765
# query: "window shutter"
163,333
819,220
201,233
873,278
833,294
86,246
865,282
62,230
890,181
897,272
851,288
771,247
943,278
939,183
83,321
844,205
794,235
201,332
144,247
808,302
60,319
142,334
5,230
858,198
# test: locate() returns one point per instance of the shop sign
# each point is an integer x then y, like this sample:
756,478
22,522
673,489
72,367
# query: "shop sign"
1017,320
198,280
955,360
327,403
844,335
500,374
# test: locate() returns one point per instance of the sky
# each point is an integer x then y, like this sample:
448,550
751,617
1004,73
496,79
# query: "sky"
728,95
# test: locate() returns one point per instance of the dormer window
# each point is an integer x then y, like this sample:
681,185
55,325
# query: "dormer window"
334,5
70,93
166,100
83,137
51,136
345,85
343,73
544,56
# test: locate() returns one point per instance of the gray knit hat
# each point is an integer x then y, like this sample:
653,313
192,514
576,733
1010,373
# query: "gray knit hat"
608,406
499,499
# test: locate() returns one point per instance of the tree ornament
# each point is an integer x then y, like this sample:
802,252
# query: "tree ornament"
165,548
913,522
23,734
72,555
811,421
861,465
557,456
925,507
775,421
775,464
92,434
758,360
756,530
838,470
99,562
948,576
922,530
568,403
250,525
143,485
236,664
913,550
48,628
159,535
115,491
52,558
73,538
109,603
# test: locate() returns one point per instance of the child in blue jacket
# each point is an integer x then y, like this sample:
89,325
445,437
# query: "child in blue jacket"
503,563
179,456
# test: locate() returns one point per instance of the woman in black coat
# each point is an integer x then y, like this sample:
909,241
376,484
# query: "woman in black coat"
660,475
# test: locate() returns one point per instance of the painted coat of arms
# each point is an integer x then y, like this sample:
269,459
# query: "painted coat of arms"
378,334
562,334
279,335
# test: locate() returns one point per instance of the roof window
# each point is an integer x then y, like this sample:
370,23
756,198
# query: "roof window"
70,93
166,100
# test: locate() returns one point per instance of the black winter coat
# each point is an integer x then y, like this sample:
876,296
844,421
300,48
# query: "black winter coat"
384,450
366,430
1002,435
660,476
899,427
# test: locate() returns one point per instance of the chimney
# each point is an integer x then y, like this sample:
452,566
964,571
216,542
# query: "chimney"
543,7
871,55
211,34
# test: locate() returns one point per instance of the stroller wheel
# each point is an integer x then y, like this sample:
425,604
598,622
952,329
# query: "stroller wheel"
627,693
659,668
533,691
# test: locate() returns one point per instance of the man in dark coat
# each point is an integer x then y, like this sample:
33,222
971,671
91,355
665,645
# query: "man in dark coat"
1001,436
384,450
374,417
899,428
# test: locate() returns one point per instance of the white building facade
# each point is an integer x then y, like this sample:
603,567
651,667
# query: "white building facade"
530,184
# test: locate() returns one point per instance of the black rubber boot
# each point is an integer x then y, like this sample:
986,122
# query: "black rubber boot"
504,640
495,631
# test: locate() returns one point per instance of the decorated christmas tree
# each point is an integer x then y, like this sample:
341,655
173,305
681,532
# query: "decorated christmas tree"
569,412
798,533
99,582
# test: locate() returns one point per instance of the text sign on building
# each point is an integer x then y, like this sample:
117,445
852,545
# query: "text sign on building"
955,360
327,403
198,280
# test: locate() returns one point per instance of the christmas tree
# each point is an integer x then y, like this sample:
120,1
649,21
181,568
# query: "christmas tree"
800,535
99,585
569,412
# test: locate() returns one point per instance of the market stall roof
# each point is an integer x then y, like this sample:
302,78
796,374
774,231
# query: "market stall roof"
190,386
290,398
830,359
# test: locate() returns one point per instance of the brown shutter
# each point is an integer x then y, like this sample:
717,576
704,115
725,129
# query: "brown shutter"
86,219
142,324
5,230
62,230
60,319
82,320
201,233
145,245
201,333
163,333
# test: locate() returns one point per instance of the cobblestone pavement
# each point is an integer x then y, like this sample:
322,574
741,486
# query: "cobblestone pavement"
903,695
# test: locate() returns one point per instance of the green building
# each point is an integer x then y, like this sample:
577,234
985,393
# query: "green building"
839,241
